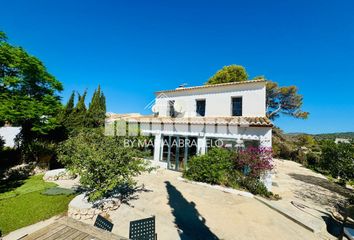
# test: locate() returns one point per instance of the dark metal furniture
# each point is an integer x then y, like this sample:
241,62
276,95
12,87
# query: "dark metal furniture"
143,229
103,223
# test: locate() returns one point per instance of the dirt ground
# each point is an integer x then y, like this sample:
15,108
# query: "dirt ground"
188,211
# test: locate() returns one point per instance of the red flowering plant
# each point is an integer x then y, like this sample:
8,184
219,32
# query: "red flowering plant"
254,161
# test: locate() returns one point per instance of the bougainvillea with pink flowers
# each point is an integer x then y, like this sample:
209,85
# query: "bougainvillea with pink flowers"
253,161
240,169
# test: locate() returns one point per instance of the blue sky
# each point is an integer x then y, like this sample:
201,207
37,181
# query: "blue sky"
133,48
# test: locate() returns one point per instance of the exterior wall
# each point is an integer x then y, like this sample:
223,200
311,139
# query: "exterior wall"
9,134
263,134
218,104
218,100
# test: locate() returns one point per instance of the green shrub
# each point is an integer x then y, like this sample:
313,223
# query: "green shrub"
300,156
312,158
233,179
338,159
212,167
351,182
351,199
19,173
103,163
219,166
255,186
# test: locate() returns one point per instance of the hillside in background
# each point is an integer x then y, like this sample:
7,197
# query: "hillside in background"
335,135
302,147
323,136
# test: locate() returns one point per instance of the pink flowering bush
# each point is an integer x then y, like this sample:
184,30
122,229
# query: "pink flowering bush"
236,169
253,161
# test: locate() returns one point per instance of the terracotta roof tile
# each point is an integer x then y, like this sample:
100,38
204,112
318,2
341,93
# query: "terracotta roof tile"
245,121
210,86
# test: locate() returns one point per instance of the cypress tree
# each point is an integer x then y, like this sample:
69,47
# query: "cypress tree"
69,107
97,109
66,113
103,107
80,106
79,113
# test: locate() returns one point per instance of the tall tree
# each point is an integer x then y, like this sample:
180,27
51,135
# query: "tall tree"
66,115
28,93
97,109
284,100
232,73
103,104
81,106
69,107
279,100
80,112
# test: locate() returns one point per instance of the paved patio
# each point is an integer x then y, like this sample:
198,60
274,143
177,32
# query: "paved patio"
188,211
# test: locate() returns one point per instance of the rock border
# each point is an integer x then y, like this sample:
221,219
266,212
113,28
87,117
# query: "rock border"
58,174
79,208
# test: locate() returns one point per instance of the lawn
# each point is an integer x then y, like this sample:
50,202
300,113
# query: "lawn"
26,204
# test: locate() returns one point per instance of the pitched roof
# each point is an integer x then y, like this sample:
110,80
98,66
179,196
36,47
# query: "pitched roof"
238,121
211,86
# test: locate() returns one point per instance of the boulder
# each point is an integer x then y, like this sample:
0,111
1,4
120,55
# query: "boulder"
58,174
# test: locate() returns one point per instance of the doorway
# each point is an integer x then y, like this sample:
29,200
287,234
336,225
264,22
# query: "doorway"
177,150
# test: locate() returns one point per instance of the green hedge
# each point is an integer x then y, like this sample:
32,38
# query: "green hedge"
211,167
219,166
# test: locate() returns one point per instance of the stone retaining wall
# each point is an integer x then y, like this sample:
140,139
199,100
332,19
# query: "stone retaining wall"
80,208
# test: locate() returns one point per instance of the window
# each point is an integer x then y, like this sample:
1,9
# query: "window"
237,106
172,111
201,108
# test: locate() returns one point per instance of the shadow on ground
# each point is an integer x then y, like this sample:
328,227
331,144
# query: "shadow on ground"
9,185
187,217
125,193
13,178
322,183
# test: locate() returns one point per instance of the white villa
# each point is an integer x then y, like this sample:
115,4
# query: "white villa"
231,114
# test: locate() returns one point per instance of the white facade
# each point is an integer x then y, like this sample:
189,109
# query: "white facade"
342,140
217,98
